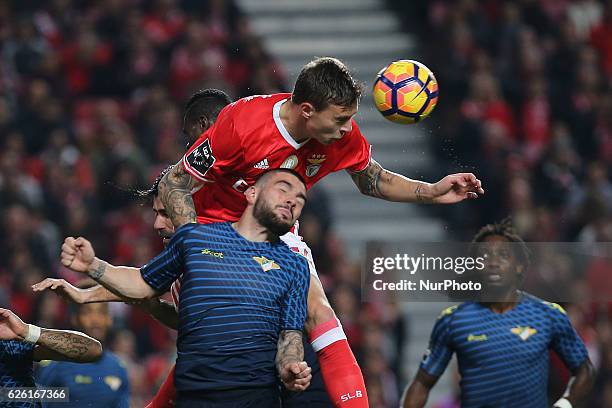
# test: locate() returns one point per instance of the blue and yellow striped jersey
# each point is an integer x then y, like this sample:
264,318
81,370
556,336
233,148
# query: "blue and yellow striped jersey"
503,358
236,297
103,383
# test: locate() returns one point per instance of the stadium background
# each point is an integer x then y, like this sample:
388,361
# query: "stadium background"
91,94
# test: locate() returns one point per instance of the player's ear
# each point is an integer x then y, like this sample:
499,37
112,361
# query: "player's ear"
204,123
306,110
520,272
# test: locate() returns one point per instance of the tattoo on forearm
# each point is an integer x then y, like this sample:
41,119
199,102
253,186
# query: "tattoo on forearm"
100,270
368,181
290,348
72,345
175,193
419,194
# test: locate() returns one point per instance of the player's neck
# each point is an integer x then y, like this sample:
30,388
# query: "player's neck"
291,121
506,302
253,231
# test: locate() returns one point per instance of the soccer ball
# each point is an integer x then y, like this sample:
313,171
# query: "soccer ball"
405,91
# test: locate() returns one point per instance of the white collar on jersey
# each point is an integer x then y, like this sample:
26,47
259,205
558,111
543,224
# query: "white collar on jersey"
282,129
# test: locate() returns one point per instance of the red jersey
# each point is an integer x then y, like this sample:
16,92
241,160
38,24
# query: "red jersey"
247,140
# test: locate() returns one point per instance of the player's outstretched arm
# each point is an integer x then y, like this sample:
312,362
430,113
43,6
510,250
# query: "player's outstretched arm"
161,310
73,294
416,394
175,193
579,386
50,344
293,371
378,182
78,255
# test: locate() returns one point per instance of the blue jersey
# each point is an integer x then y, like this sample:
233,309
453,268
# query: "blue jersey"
503,358
16,359
236,297
101,384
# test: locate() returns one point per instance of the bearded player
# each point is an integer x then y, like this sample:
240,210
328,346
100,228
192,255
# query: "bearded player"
311,131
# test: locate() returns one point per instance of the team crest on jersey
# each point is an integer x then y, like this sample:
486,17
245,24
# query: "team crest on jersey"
113,382
265,263
201,159
290,162
524,332
315,161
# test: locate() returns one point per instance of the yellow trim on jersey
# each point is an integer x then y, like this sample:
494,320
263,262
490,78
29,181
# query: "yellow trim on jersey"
447,311
555,306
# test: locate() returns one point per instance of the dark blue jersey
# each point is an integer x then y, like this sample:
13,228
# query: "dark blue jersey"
103,383
236,297
503,358
16,359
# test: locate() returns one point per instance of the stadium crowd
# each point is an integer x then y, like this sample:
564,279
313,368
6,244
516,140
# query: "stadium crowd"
527,105
91,95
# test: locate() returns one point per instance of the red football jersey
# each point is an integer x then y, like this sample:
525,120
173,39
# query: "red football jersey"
247,140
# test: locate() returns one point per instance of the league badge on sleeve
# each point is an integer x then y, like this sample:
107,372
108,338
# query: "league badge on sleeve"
201,159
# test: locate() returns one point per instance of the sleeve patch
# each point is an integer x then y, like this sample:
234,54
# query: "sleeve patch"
201,158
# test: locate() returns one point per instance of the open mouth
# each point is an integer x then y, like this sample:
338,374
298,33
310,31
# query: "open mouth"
493,277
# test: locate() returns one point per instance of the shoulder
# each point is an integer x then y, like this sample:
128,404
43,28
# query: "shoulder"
296,260
550,308
456,312
187,229
257,102
113,360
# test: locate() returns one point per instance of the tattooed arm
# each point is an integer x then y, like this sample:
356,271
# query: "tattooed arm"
378,182
175,194
293,371
50,344
67,345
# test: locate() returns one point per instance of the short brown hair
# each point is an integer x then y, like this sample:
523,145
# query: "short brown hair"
326,81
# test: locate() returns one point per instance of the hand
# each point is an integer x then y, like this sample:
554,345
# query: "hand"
77,254
61,288
455,188
296,376
11,326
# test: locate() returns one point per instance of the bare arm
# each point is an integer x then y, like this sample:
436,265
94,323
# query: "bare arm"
417,393
71,293
50,344
161,310
293,371
375,181
581,383
175,193
67,345
124,281
290,348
